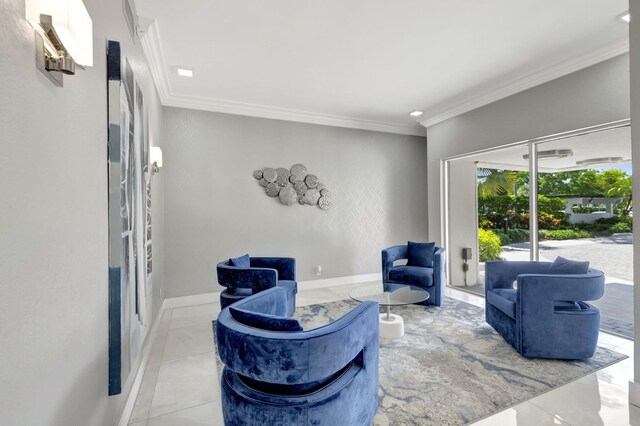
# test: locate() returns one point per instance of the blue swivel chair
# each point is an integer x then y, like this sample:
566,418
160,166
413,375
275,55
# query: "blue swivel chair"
546,316
430,277
256,274
277,374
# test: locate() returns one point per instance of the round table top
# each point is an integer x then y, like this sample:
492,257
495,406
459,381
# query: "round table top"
389,294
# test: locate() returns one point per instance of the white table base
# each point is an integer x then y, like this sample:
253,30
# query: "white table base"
391,326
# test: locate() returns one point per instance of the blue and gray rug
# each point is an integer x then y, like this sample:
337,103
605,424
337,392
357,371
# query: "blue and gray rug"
452,368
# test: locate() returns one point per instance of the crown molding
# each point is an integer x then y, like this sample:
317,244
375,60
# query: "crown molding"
535,78
277,113
152,49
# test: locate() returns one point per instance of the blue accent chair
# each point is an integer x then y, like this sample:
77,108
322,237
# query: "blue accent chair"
546,316
326,376
264,273
431,280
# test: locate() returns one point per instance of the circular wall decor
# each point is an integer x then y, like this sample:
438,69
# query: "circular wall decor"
283,176
288,196
324,202
311,181
295,184
299,170
269,174
311,197
300,187
272,189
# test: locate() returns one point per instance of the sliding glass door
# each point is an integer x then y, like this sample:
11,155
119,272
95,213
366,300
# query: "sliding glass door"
566,196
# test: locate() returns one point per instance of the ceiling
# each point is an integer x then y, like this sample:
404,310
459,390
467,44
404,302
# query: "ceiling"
608,143
368,63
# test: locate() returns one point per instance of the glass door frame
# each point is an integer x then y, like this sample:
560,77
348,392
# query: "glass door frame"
532,144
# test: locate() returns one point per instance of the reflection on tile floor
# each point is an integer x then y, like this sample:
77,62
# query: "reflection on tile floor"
180,384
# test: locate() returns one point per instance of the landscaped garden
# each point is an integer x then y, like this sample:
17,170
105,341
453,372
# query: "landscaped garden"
503,206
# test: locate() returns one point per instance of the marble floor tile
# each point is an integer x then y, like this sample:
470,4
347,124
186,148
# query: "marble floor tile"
610,341
185,382
209,414
143,423
525,414
189,340
619,373
193,315
587,401
145,394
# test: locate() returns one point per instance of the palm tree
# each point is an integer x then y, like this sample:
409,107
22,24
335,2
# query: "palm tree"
495,182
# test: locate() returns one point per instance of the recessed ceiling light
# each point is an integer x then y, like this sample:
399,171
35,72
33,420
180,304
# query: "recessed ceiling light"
416,113
183,72
626,17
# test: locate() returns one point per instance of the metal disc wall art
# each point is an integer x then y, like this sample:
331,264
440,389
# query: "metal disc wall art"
295,184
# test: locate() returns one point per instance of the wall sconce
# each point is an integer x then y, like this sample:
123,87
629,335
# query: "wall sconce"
156,159
64,37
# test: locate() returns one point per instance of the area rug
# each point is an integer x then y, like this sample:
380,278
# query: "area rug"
451,368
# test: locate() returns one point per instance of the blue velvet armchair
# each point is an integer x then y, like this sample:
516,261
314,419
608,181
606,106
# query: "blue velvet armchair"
430,279
326,376
546,316
262,274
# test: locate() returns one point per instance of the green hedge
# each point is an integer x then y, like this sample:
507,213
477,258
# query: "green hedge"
563,234
490,247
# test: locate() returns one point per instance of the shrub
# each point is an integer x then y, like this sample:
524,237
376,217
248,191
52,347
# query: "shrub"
620,227
490,248
563,234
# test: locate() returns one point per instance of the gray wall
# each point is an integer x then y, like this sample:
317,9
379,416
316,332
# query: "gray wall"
463,232
595,95
53,232
634,39
215,209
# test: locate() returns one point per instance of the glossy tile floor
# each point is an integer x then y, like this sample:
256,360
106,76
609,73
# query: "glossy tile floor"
180,384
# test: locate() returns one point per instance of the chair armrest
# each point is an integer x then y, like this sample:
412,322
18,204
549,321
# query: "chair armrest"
500,274
438,266
272,301
389,255
534,288
305,356
258,279
286,266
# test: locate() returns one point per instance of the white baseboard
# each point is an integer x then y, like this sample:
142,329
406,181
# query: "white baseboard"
634,393
142,366
194,299
332,282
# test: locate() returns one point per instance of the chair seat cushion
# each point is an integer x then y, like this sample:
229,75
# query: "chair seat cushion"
290,286
412,275
504,299
264,321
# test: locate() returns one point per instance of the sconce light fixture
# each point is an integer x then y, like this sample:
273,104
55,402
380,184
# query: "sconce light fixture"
64,37
156,159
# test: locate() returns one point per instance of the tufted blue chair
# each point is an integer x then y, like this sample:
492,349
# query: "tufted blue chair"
264,273
325,376
546,315
431,280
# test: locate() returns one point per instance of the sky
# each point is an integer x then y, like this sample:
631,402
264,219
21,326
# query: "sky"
625,167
